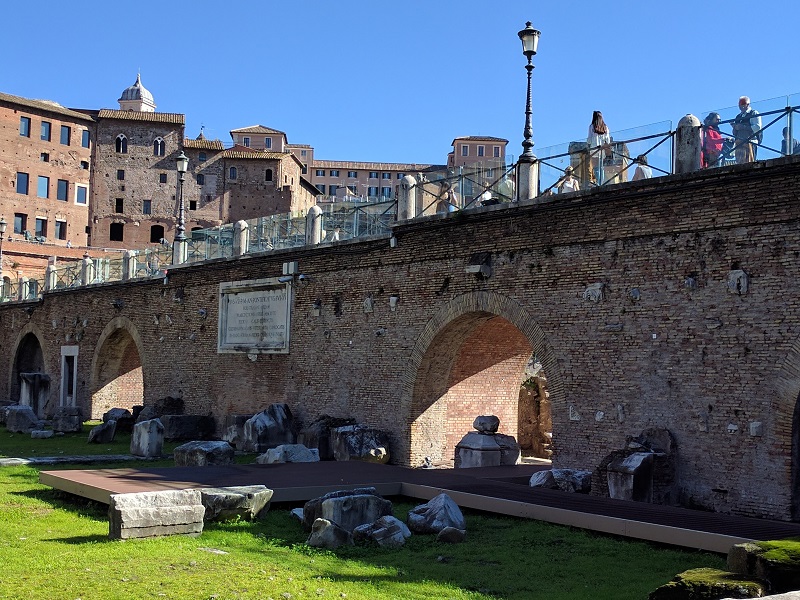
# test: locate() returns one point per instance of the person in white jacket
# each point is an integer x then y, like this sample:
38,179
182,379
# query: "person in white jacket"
598,142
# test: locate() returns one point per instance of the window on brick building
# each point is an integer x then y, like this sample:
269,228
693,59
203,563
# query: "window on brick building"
85,165
372,191
66,134
268,175
400,175
44,157
304,170
373,174
120,174
81,194
352,189
162,178
22,183
386,175
45,135
232,173
202,157
25,126
464,150
321,188
267,143
496,151
246,142
147,207
156,233
352,174
121,144
320,173
86,137
159,147
481,150
20,222
201,179
62,190
118,205
43,187
41,227
332,189
192,204
61,230
303,153
386,192
116,232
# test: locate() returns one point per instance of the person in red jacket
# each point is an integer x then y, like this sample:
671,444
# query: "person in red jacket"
712,140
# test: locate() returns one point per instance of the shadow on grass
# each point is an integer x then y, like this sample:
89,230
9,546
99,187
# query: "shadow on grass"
80,539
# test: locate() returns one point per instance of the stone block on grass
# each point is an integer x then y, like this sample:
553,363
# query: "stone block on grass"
147,439
21,419
203,454
247,502
152,514
68,419
104,433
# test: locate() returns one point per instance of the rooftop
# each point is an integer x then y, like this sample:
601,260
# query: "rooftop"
45,105
132,115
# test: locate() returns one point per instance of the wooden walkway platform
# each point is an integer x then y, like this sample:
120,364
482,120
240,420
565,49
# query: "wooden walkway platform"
502,490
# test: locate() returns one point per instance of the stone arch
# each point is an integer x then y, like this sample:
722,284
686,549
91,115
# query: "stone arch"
117,376
476,342
29,358
785,408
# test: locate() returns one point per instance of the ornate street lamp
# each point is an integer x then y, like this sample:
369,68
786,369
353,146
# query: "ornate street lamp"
527,173
179,245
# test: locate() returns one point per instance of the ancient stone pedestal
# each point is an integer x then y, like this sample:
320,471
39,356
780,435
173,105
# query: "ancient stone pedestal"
631,478
147,439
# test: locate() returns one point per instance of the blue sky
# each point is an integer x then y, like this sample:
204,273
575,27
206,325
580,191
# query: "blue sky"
397,81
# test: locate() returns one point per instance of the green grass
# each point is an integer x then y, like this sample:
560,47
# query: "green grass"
20,445
53,546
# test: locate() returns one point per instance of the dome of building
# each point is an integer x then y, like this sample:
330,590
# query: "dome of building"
137,97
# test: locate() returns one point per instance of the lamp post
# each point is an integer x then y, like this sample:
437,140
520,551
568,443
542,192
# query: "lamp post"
527,167
3,226
179,245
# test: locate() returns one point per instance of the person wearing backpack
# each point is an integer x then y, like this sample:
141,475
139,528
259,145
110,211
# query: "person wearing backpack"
746,132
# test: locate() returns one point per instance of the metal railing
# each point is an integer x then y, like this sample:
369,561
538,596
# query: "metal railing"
448,190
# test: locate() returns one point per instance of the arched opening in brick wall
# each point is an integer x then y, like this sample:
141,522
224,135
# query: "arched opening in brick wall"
474,366
30,384
117,378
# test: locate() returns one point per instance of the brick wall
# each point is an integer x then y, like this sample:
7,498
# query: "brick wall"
698,360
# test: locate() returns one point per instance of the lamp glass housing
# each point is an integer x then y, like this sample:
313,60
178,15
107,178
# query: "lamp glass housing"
182,162
3,225
530,40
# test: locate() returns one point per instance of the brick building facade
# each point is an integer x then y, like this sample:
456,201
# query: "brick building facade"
669,303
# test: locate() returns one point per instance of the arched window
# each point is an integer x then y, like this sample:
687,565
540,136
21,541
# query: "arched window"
121,144
232,173
156,234
158,147
268,175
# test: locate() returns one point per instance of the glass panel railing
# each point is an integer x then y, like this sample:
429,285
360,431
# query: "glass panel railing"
469,186
67,275
607,165
720,144
348,220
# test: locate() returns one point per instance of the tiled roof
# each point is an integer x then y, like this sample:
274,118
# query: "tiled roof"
48,105
203,144
368,166
256,129
479,138
235,152
133,115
